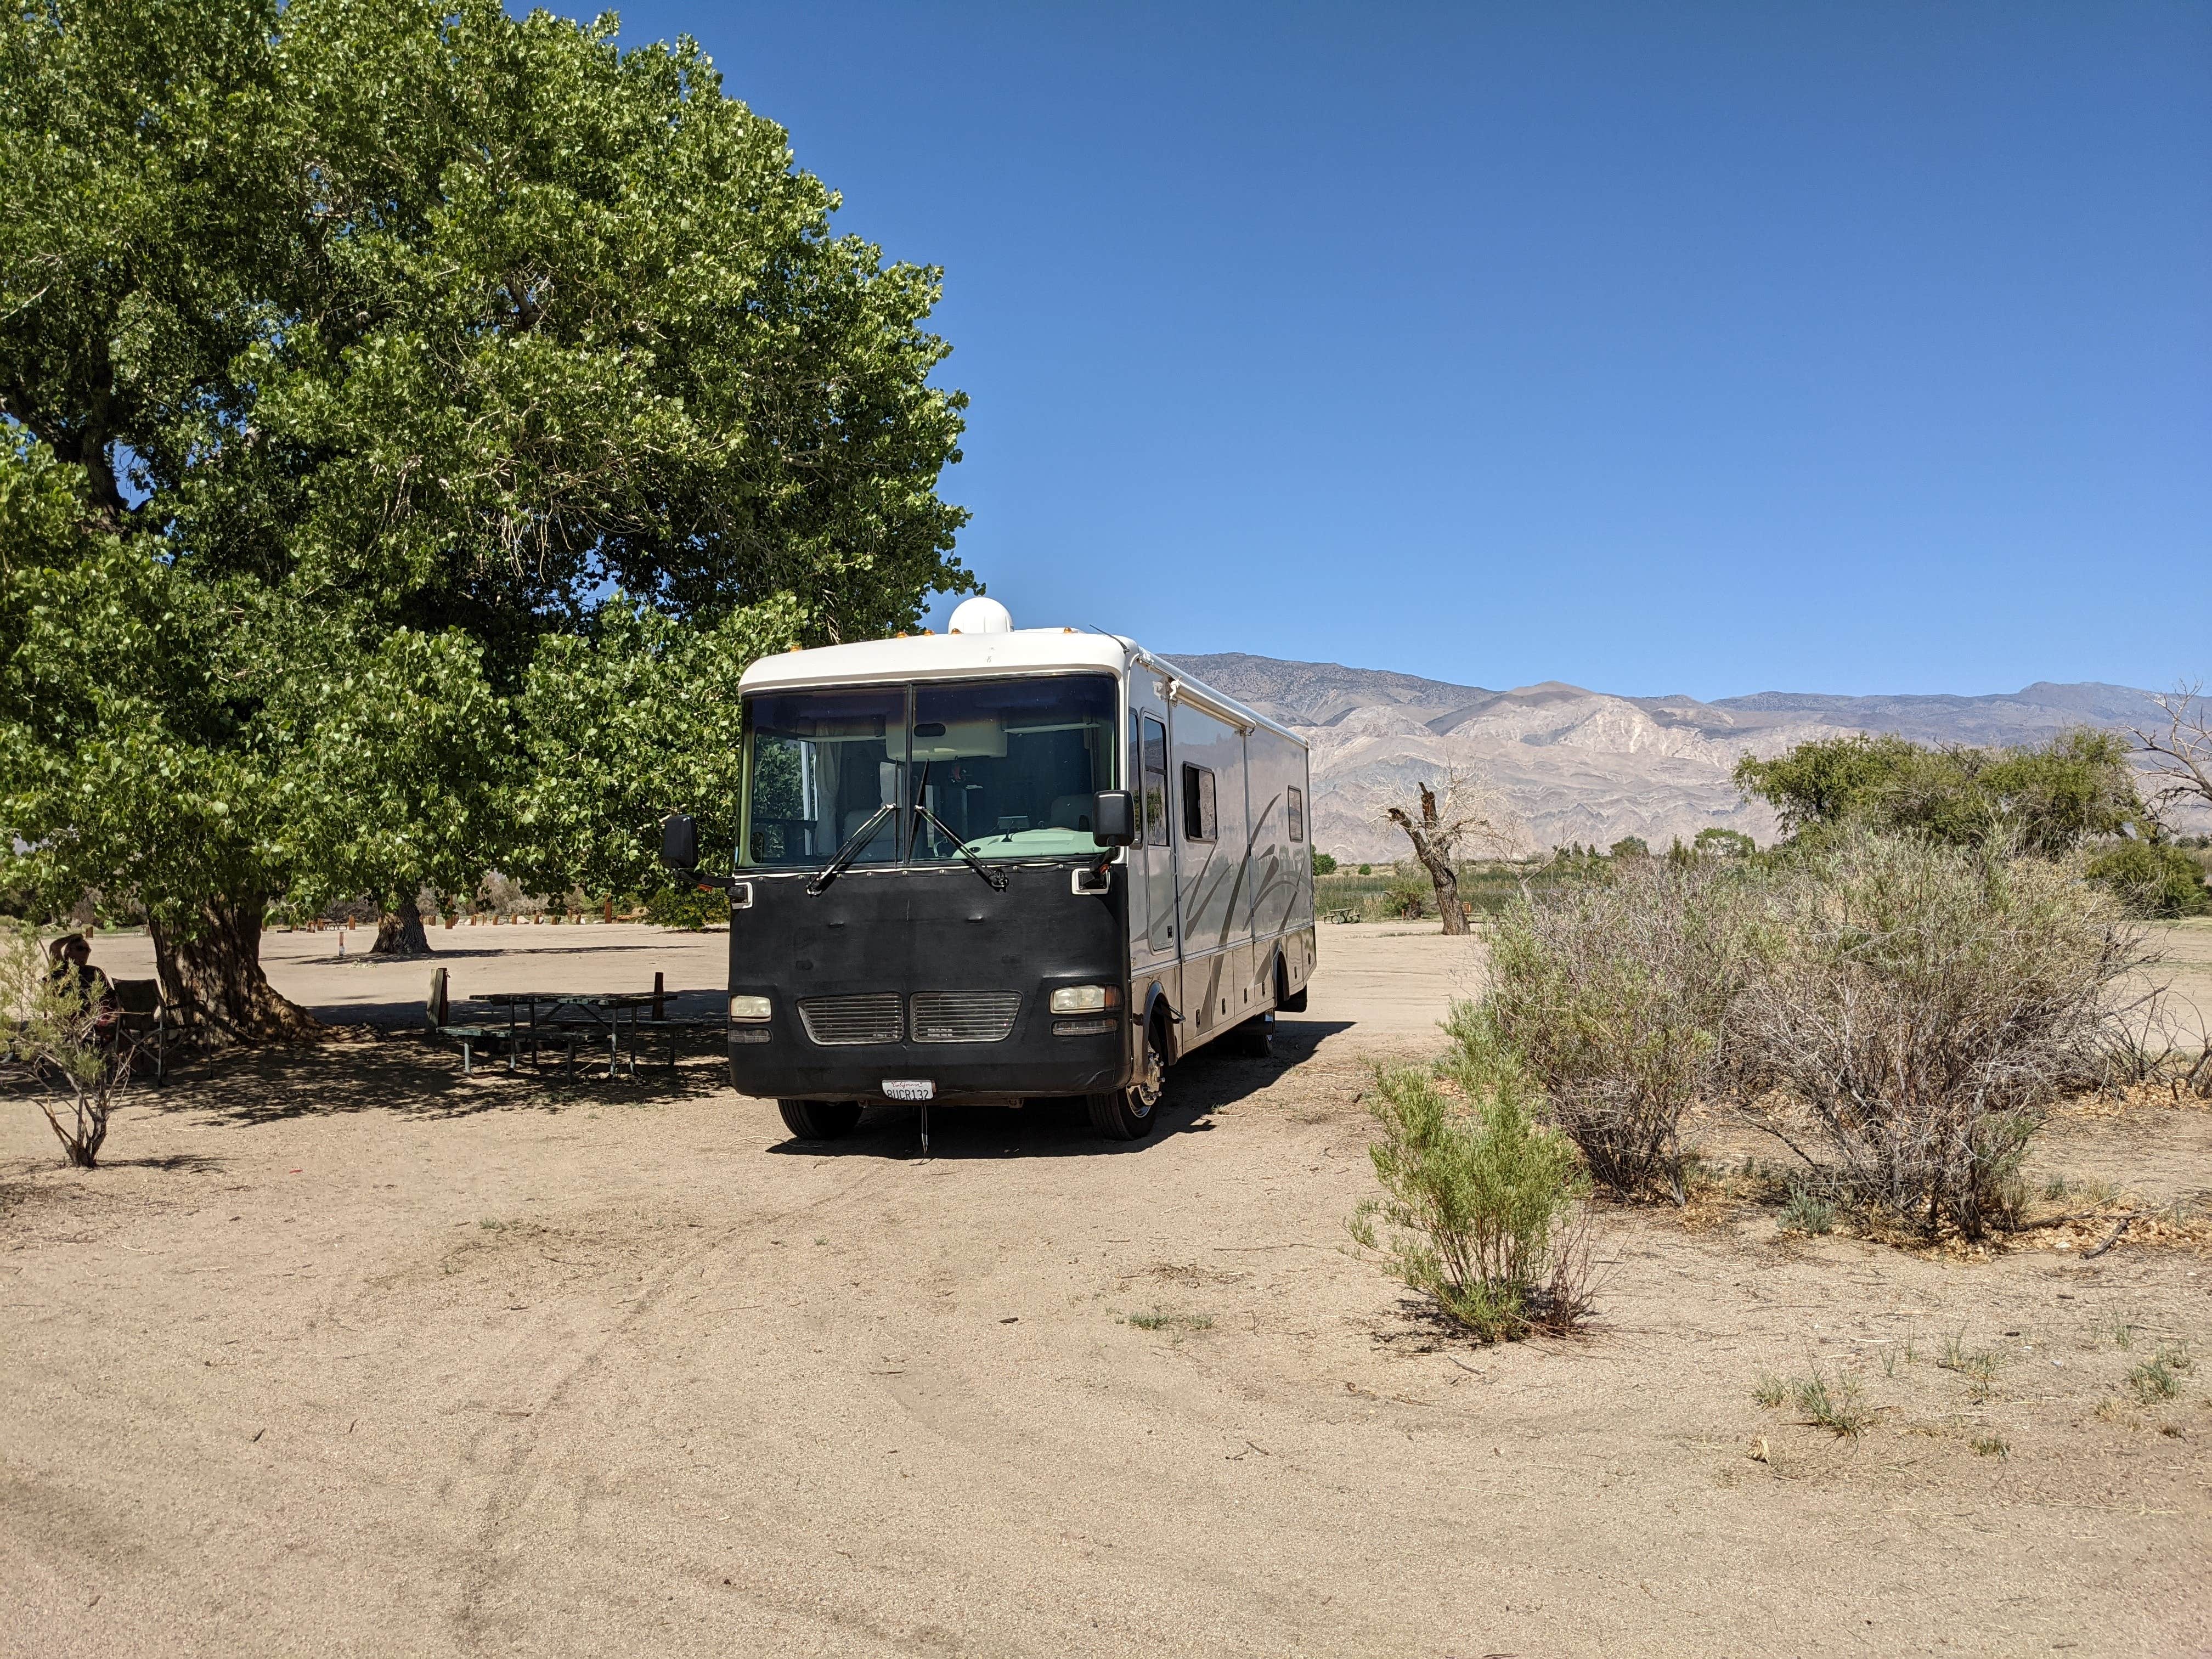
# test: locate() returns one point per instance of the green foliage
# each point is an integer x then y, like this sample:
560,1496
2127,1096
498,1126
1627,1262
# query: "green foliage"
349,355
1323,863
693,909
1478,1198
2046,800
1366,869
1718,843
620,729
2152,879
1410,893
1629,846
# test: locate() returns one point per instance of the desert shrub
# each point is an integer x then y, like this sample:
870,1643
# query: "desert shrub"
2152,879
1481,1204
1806,1212
1925,1003
1614,993
1410,893
693,909
76,1068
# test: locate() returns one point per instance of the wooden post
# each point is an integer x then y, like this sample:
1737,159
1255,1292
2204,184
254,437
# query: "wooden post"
658,993
610,911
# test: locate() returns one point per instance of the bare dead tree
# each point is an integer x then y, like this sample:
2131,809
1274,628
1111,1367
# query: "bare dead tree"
1465,814
2181,754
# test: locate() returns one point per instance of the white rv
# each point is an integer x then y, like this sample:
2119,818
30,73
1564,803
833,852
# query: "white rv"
997,864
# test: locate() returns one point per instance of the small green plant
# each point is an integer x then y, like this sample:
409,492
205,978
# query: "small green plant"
1891,1354
1833,1403
1366,869
1806,1212
1977,1365
2123,1333
2057,1189
1770,1390
1989,1445
1161,1320
1481,1201
2159,1377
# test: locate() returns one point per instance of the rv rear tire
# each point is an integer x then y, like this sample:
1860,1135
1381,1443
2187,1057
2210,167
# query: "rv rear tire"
819,1119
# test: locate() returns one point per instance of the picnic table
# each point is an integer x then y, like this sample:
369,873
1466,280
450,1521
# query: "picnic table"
570,1016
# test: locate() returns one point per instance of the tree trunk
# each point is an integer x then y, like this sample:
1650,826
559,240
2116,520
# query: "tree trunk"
211,973
1435,859
1447,882
399,932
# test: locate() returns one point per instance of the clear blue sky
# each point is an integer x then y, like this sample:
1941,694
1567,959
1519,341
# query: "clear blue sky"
1708,348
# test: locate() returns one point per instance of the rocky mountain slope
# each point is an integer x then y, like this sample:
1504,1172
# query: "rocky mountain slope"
1567,764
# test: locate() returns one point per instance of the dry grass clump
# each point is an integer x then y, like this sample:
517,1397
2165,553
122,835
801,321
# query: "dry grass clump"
2159,1378
1481,1208
1833,1401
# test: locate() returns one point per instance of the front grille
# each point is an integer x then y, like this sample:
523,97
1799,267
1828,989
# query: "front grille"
965,1015
837,1022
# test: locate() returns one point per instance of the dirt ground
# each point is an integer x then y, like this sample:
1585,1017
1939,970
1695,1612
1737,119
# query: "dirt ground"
341,1353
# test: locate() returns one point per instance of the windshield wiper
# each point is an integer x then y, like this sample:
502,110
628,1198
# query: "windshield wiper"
849,851
994,877
991,873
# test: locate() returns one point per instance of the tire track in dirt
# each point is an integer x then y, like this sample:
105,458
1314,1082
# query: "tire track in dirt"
519,1482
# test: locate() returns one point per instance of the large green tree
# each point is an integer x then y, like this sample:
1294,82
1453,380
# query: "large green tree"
2047,799
352,353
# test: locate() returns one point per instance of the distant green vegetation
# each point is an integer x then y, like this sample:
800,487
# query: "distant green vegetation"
2075,795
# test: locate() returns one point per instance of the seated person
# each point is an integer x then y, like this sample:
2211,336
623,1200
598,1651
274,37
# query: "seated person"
72,958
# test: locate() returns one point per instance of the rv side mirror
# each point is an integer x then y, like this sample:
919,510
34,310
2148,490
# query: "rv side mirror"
679,842
1114,818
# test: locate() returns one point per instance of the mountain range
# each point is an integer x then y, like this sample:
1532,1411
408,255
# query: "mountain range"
1560,763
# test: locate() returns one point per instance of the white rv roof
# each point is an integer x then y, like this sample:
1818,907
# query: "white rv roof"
970,656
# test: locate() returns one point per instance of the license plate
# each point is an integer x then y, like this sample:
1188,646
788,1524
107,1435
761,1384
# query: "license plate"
908,1088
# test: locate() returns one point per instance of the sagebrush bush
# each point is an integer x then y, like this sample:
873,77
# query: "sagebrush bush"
1615,994
1481,1204
1925,1003
2152,879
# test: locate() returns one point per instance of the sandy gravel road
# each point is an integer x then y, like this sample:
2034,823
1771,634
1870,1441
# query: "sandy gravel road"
345,1355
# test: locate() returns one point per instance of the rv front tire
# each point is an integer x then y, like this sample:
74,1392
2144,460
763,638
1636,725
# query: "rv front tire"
1129,1113
819,1119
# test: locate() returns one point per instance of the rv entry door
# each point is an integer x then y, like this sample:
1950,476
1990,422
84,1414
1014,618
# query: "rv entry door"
1152,930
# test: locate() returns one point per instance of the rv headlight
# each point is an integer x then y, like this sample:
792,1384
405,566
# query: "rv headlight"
1085,998
748,1009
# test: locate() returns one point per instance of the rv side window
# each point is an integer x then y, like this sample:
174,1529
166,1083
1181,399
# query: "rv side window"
1197,803
1155,748
1297,814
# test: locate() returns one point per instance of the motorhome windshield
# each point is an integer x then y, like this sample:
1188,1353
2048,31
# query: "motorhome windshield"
1007,767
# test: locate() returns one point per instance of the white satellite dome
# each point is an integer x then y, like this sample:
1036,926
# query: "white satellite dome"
980,616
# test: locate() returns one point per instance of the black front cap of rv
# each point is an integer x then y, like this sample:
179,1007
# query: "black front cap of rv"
842,969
